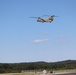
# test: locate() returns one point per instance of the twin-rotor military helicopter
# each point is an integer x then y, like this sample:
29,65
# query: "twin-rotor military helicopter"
50,19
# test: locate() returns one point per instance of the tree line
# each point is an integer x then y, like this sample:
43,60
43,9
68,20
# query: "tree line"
18,67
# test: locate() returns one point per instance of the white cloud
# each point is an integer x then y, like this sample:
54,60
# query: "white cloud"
39,41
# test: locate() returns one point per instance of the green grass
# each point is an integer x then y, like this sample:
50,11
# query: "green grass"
38,73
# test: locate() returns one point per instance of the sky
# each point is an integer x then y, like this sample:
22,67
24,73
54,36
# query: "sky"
23,39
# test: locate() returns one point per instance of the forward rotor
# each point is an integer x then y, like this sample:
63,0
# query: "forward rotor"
51,15
33,17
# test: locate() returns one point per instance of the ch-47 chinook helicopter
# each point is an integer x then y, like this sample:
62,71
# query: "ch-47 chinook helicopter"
50,19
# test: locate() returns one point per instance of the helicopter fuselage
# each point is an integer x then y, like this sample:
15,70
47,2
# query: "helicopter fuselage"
43,20
50,19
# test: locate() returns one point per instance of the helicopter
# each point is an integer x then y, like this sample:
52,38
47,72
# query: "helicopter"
50,19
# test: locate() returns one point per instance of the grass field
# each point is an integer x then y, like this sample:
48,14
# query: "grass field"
40,73
71,70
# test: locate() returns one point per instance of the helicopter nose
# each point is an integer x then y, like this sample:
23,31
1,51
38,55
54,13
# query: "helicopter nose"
37,20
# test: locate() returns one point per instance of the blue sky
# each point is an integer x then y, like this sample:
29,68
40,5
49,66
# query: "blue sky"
23,39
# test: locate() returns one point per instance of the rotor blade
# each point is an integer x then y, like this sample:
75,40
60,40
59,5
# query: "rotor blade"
56,16
33,17
51,15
